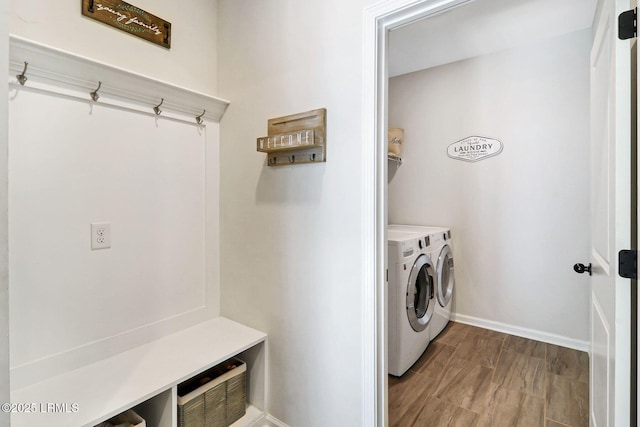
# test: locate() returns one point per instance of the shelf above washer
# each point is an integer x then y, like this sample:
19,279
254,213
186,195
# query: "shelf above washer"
394,158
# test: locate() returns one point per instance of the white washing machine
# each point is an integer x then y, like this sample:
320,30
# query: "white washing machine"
439,250
411,302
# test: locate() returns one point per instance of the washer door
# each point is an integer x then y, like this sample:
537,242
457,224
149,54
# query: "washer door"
445,276
420,290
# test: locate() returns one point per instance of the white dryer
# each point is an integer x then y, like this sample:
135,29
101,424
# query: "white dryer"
439,249
442,255
411,303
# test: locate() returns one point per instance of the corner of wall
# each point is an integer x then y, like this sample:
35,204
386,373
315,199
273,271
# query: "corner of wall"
213,216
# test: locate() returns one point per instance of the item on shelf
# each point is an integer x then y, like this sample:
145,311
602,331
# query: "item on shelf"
395,139
126,419
216,397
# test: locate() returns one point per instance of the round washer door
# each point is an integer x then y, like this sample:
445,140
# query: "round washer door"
420,290
446,279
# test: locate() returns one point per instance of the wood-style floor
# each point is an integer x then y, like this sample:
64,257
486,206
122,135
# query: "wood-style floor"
472,377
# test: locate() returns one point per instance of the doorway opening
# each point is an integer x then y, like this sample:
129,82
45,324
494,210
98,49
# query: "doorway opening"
394,16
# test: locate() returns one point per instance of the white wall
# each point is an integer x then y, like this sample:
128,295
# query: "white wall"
520,220
156,178
144,175
291,236
191,61
4,280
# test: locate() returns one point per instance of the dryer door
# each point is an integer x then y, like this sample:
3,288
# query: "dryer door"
446,279
420,289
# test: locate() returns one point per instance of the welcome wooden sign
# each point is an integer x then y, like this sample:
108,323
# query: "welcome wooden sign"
130,19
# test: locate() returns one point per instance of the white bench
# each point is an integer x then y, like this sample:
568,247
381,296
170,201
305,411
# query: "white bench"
145,378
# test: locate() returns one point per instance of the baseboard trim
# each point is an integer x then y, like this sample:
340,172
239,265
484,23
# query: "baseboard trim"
268,421
522,332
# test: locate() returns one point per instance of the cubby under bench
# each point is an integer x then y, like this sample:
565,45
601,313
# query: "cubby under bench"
145,379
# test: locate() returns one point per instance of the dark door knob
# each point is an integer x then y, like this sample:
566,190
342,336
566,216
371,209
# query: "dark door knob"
581,268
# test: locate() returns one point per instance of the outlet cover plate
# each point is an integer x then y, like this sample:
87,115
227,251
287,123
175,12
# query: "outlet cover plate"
100,235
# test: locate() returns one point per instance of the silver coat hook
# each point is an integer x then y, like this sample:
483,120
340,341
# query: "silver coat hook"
199,118
22,78
292,159
157,109
94,94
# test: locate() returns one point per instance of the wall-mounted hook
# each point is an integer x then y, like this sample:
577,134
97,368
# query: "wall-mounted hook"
273,161
22,78
199,118
312,157
157,109
94,94
292,159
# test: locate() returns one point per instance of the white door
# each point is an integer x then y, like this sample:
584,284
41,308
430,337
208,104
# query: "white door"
610,218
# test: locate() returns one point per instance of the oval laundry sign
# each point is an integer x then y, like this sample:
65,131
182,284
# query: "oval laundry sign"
474,148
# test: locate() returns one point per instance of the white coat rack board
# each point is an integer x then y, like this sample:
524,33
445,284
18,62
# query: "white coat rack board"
296,139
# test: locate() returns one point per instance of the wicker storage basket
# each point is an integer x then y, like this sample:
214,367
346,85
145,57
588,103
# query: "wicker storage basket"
215,398
128,416
395,141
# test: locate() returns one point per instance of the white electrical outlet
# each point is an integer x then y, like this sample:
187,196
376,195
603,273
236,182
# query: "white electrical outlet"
100,235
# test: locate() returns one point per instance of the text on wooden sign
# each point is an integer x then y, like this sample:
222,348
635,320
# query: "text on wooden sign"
286,141
130,19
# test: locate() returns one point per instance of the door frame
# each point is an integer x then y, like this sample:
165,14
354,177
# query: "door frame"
4,223
379,19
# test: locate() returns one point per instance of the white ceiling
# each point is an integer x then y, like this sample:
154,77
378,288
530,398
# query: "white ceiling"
482,27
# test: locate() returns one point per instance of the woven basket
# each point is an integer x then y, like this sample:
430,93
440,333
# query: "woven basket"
395,141
215,398
128,416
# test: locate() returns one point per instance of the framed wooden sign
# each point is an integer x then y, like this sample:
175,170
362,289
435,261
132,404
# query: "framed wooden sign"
130,19
296,139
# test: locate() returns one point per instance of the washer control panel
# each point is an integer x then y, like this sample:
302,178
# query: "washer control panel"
410,247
